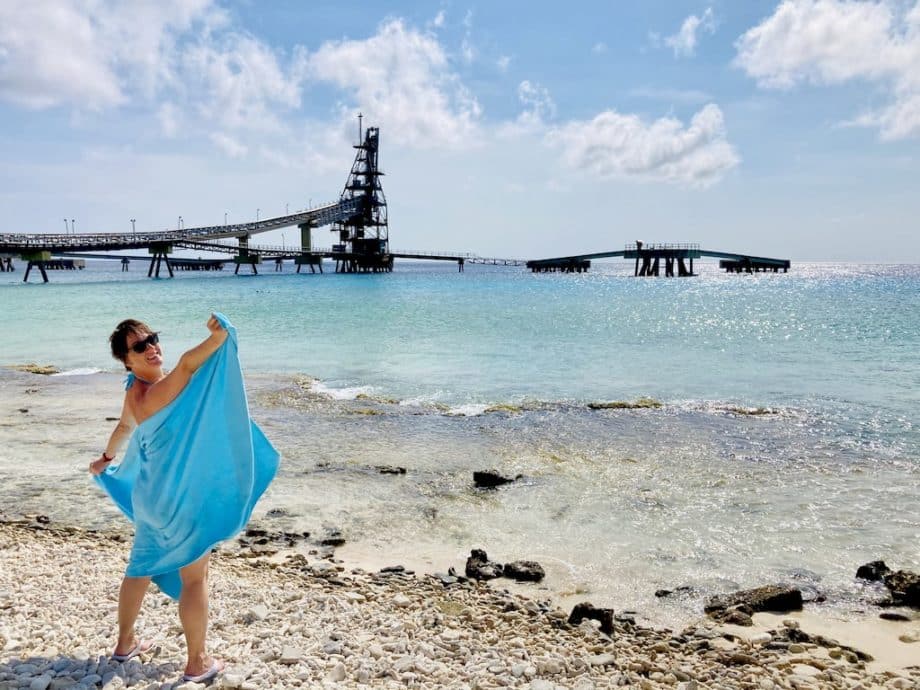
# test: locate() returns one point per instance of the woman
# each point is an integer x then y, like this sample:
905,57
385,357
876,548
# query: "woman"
190,477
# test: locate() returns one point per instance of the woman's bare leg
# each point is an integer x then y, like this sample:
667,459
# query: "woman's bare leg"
193,612
130,598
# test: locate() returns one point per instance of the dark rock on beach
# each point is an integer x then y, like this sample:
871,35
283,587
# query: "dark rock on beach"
892,616
489,479
589,611
332,537
873,572
524,571
777,598
904,586
479,567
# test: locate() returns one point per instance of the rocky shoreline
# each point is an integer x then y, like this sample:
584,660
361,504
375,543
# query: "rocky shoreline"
290,621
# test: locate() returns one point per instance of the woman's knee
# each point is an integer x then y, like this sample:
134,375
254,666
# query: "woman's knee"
195,573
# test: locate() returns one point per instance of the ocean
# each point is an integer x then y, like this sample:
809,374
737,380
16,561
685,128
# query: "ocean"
785,447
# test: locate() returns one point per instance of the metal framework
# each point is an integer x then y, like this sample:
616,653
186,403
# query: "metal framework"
365,232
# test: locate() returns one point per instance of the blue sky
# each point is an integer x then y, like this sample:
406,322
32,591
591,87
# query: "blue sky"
509,129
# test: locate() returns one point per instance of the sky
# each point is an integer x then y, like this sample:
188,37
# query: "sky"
508,129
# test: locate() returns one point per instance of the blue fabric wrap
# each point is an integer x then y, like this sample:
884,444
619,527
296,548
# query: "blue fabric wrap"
192,472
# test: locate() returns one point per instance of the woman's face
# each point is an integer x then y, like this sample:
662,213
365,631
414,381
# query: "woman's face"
151,356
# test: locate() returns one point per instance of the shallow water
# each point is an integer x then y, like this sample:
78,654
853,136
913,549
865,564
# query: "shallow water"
786,446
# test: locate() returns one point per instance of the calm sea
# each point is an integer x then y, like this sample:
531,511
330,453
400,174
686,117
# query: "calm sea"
786,446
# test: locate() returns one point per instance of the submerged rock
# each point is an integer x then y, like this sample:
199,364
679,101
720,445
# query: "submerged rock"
776,598
33,368
640,404
489,479
873,572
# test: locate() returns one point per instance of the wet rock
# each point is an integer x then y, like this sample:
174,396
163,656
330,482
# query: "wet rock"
588,610
479,567
891,616
776,598
332,537
524,571
683,590
904,586
489,479
873,572
386,469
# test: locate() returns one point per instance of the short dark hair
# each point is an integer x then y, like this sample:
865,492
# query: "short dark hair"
119,338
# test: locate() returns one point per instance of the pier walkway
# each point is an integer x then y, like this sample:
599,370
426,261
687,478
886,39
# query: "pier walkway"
649,259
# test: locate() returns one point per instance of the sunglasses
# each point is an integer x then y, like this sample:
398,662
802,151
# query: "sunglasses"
141,345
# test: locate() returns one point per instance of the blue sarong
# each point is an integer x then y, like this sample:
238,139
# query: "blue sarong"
192,472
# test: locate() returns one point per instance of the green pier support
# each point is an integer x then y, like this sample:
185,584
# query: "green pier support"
159,252
36,259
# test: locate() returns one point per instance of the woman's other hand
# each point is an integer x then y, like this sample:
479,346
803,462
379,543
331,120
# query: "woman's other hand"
98,466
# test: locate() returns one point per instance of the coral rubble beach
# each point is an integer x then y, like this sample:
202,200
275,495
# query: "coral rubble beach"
289,621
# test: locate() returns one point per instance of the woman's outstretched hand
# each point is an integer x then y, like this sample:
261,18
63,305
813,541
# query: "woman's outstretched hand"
214,325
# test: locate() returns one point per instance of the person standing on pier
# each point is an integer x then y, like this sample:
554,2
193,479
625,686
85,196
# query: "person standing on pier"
194,468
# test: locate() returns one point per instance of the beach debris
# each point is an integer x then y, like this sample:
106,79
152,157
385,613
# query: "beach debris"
524,571
489,479
586,610
777,598
873,572
33,368
893,616
640,404
479,567
277,513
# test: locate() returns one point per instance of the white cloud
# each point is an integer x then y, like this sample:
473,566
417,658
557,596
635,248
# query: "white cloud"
502,63
168,115
400,78
835,41
438,21
537,101
614,145
683,43
599,48
228,145
238,83
91,54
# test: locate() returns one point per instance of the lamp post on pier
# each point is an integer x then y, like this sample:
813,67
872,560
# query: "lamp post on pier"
257,215
225,218
179,223
66,229
133,229
73,227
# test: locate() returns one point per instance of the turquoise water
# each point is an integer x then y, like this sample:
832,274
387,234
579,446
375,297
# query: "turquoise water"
699,491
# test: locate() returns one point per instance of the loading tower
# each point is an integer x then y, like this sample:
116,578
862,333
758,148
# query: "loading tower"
364,243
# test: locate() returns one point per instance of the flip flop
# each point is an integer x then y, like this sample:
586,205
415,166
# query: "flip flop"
139,648
216,667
